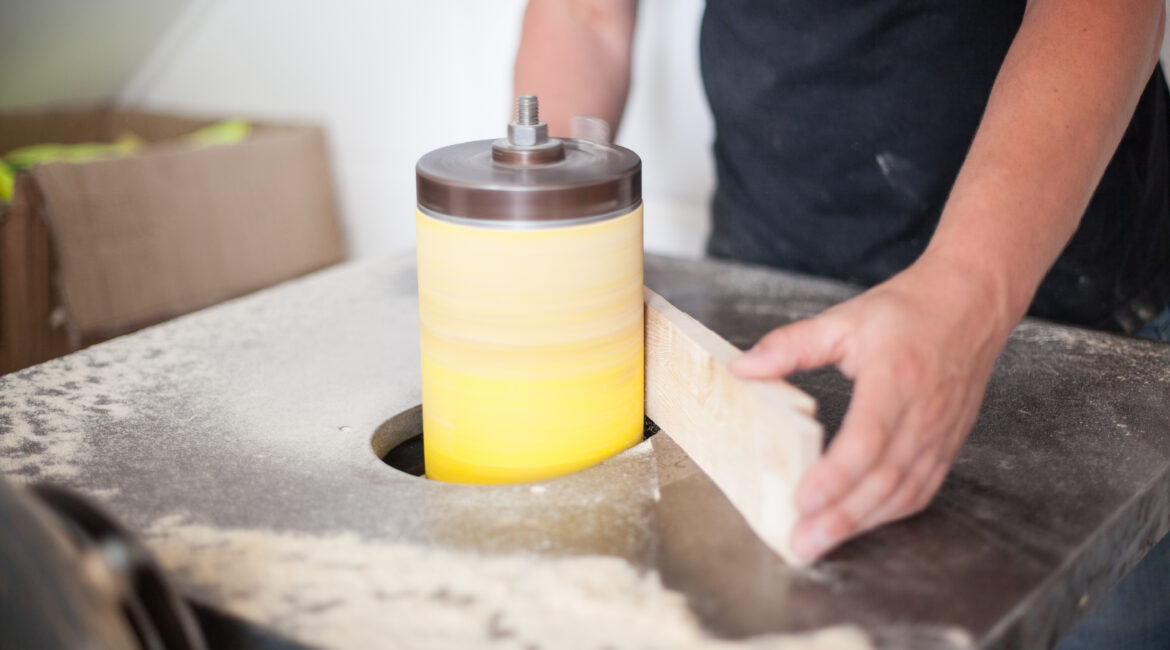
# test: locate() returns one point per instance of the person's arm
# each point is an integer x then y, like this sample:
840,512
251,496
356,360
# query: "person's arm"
574,56
920,347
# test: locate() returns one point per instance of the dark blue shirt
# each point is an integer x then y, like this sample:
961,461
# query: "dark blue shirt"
840,128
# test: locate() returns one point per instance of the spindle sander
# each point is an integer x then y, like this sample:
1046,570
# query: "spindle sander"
540,358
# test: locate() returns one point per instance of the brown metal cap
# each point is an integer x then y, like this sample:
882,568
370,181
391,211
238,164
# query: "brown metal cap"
495,181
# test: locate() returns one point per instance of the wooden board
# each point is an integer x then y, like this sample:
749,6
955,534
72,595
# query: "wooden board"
755,439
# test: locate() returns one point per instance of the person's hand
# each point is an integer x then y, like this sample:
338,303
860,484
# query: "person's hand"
919,349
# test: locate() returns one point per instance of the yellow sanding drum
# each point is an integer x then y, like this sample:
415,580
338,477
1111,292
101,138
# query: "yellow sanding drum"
530,304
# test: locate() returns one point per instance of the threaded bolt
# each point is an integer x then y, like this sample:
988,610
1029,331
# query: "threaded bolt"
527,111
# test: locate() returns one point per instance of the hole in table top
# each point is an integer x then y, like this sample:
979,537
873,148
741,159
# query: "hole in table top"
398,442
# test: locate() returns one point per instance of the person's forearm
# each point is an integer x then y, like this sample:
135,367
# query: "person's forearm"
1058,109
575,56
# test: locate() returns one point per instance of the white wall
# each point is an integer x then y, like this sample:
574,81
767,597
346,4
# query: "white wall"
393,80
64,50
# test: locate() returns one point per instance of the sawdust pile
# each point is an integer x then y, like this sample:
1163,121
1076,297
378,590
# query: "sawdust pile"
323,591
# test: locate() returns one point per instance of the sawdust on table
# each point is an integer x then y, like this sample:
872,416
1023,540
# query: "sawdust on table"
342,591
46,410
227,365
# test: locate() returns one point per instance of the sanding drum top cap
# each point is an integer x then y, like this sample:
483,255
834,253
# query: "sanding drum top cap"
529,179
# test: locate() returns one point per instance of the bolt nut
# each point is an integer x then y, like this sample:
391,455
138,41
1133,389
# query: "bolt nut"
521,135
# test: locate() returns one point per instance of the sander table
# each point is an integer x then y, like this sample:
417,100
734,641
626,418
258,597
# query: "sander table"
242,443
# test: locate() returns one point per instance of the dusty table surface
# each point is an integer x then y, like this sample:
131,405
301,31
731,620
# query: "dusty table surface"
237,443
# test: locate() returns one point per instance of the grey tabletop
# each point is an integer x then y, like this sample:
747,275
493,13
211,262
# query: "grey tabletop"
239,444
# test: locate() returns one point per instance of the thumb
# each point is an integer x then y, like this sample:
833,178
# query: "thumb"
802,345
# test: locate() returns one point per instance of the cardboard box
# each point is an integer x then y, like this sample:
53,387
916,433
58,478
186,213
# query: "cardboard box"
89,251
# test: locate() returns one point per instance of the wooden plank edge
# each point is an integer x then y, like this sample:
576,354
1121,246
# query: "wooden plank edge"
754,439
